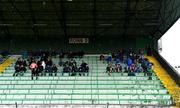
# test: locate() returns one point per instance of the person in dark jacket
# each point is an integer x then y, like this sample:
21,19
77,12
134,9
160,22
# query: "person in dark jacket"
17,70
66,69
54,69
39,68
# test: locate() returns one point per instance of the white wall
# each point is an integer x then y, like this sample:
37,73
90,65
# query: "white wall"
171,45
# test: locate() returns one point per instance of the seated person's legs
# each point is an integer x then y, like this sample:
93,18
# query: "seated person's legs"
22,70
54,69
87,70
55,72
17,70
33,73
40,70
16,73
107,69
36,74
48,70
80,70
66,69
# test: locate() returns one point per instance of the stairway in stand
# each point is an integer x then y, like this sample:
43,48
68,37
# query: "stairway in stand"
96,89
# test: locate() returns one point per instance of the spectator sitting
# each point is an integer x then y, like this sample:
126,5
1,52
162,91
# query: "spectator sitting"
54,69
80,70
85,67
66,69
113,55
121,53
43,68
18,62
49,62
71,62
109,69
109,59
22,69
23,66
132,67
101,57
151,65
48,68
43,64
74,63
126,69
74,68
129,62
150,69
138,68
17,70
33,67
39,69
145,64
118,67
149,72
131,70
24,63
66,63
117,61
60,62
44,57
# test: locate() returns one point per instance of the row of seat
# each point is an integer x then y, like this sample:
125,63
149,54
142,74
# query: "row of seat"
143,87
81,90
99,82
114,76
28,73
127,102
98,87
83,96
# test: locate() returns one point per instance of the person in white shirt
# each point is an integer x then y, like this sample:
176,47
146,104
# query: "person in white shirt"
44,65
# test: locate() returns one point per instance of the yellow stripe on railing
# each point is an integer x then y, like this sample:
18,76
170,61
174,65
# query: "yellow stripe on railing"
5,64
168,82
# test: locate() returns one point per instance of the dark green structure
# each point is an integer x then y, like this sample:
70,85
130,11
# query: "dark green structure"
109,24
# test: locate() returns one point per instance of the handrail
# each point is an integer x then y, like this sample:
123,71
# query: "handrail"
172,72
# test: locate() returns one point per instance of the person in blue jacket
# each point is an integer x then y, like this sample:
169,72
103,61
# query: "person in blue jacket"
109,59
117,61
129,61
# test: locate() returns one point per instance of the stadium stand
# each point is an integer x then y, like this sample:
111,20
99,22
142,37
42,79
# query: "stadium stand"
89,54
96,88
